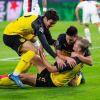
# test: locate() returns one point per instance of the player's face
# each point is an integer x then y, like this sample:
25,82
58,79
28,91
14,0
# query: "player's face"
71,39
49,23
76,46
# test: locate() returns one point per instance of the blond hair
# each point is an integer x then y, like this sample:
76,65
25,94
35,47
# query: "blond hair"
84,44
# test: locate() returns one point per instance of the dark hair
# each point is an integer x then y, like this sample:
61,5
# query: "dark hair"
51,14
72,31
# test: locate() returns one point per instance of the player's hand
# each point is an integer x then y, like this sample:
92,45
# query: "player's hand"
71,62
60,62
43,57
39,49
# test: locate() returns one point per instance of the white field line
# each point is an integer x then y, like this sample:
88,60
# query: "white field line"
10,59
17,58
92,48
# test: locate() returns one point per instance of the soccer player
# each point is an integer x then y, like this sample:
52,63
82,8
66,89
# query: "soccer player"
53,76
64,47
32,7
89,14
20,35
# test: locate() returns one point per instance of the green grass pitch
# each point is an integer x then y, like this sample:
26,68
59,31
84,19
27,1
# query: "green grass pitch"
89,91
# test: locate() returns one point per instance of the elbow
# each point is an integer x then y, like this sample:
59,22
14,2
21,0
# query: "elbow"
91,63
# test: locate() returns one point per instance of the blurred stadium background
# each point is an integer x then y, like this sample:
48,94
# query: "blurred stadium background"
11,10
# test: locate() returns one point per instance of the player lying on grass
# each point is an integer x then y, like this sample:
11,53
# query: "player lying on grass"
53,76
64,48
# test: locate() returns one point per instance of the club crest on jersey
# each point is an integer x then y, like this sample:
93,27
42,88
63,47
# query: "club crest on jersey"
41,30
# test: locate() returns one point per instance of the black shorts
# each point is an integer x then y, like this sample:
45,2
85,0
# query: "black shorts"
44,80
14,42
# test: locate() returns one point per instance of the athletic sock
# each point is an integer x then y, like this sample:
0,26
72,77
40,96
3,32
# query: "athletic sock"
78,79
99,29
24,62
87,34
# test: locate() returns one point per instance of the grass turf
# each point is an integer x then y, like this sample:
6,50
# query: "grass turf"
89,91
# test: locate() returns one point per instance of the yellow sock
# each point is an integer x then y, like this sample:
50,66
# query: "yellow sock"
6,81
78,80
24,62
27,66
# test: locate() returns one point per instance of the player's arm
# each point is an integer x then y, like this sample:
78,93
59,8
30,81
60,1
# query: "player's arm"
55,68
45,45
98,5
61,56
58,46
44,3
49,67
39,31
86,60
69,60
49,38
86,57
77,13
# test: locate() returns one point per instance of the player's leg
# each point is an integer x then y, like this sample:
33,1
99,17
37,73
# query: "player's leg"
26,58
96,20
86,21
87,32
38,64
26,78
77,80
29,79
5,81
36,10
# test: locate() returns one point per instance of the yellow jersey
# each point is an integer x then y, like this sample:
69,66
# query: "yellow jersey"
21,26
62,79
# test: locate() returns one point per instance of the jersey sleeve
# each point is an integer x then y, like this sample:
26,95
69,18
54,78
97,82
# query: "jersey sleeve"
37,27
45,45
59,42
49,38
